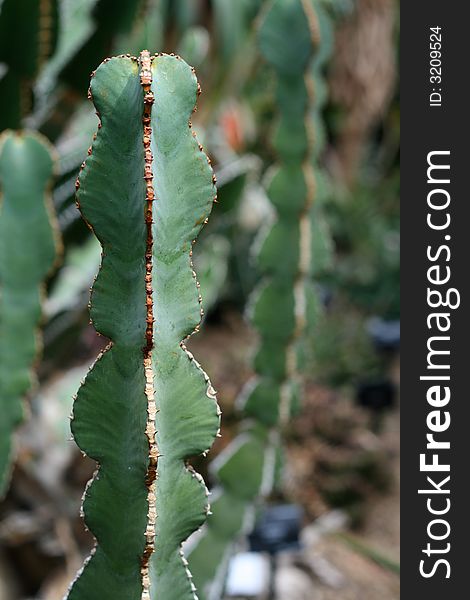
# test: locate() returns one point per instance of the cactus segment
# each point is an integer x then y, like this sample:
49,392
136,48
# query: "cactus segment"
146,406
28,249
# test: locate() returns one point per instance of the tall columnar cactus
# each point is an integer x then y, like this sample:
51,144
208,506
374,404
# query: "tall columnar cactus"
28,249
283,307
146,189
28,37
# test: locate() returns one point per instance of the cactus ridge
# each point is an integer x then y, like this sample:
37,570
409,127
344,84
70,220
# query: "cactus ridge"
29,246
146,406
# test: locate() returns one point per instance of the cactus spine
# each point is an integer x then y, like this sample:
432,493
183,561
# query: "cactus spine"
29,245
283,307
146,189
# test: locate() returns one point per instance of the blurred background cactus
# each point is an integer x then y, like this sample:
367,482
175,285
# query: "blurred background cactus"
340,451
29,246
283,305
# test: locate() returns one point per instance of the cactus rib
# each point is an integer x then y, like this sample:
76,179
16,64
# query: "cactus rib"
188,417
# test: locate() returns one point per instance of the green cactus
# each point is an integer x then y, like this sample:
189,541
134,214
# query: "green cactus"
283,307
28,37
146,189
28,249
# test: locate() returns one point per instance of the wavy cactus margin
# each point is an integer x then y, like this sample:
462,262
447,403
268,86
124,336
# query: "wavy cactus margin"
29,245
284,305
146,189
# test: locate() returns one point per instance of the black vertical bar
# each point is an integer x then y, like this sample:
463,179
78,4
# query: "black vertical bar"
428,128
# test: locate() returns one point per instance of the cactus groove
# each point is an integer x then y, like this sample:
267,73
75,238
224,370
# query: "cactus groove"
146,406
